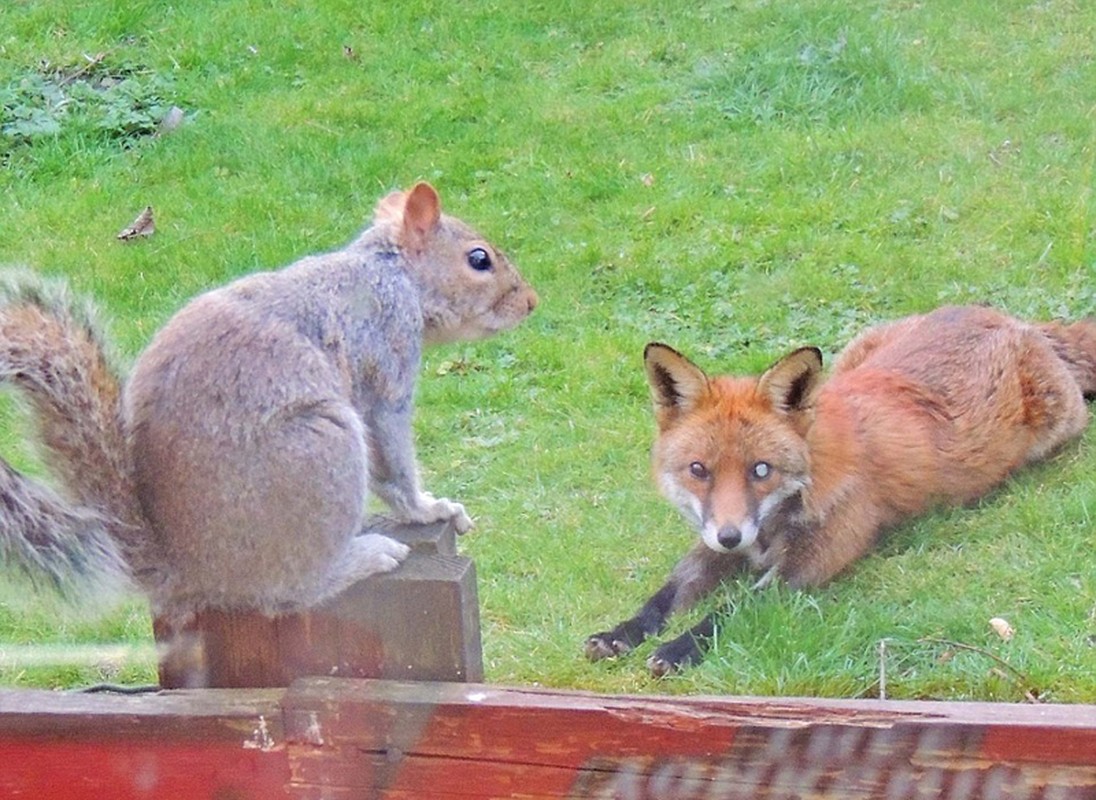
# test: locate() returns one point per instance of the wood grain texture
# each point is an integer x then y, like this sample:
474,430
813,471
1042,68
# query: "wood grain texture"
420,622
343,738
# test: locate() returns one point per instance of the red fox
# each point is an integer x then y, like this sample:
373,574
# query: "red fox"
791,476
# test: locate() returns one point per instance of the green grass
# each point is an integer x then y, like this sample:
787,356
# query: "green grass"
735,179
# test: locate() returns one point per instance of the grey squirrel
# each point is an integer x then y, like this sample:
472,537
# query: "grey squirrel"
232,469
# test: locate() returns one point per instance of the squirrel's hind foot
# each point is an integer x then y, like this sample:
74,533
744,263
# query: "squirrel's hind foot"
374,552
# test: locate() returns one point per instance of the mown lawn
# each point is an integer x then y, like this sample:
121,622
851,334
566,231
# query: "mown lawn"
735,179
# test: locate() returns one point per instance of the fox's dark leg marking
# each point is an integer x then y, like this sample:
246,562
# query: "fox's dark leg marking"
649,620
696,574
687,649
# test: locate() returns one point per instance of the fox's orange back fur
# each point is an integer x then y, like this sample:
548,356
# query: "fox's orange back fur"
800,475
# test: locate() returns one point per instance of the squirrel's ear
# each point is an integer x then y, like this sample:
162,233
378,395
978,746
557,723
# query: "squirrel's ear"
414,212
421,213
677,384
390,208
790,383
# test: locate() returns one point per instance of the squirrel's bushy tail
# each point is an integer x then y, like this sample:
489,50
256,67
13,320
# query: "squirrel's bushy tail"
1075,344
45,535
51,350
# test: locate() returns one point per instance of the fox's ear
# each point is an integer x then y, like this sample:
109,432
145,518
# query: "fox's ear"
677,384
791,381
416,212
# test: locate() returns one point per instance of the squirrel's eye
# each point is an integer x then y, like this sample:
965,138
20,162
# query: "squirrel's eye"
699,471
761,470
479,259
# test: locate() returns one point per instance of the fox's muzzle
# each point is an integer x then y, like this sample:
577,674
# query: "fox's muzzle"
729,537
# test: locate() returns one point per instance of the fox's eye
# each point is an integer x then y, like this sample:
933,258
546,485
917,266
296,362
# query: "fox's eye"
479,259
761,470
699,471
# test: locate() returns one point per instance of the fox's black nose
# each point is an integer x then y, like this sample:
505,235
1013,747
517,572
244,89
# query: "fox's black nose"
730,537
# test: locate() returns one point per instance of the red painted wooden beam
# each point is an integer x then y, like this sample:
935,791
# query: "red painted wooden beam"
443,741
184,746
340,738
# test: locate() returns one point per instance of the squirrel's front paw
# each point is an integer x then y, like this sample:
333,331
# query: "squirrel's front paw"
437,509
459,517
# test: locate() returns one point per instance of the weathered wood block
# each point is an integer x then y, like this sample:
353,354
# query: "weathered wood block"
420,622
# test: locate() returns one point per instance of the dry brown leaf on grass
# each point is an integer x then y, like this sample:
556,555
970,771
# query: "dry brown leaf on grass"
1002,628
144,225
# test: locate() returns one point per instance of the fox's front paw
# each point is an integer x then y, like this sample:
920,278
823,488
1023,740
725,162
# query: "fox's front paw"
609,644
675,655
603,645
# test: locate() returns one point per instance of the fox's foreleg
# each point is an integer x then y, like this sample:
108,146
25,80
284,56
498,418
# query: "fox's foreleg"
694,576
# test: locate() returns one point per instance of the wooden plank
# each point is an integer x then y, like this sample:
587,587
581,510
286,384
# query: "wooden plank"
384,740
394,740
419,622
187,746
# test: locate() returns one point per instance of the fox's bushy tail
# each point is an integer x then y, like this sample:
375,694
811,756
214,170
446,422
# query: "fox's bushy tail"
52,351
1075,344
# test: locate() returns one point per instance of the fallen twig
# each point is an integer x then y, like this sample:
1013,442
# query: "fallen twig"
1019,677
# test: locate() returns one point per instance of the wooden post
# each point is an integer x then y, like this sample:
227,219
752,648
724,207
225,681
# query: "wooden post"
420,622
